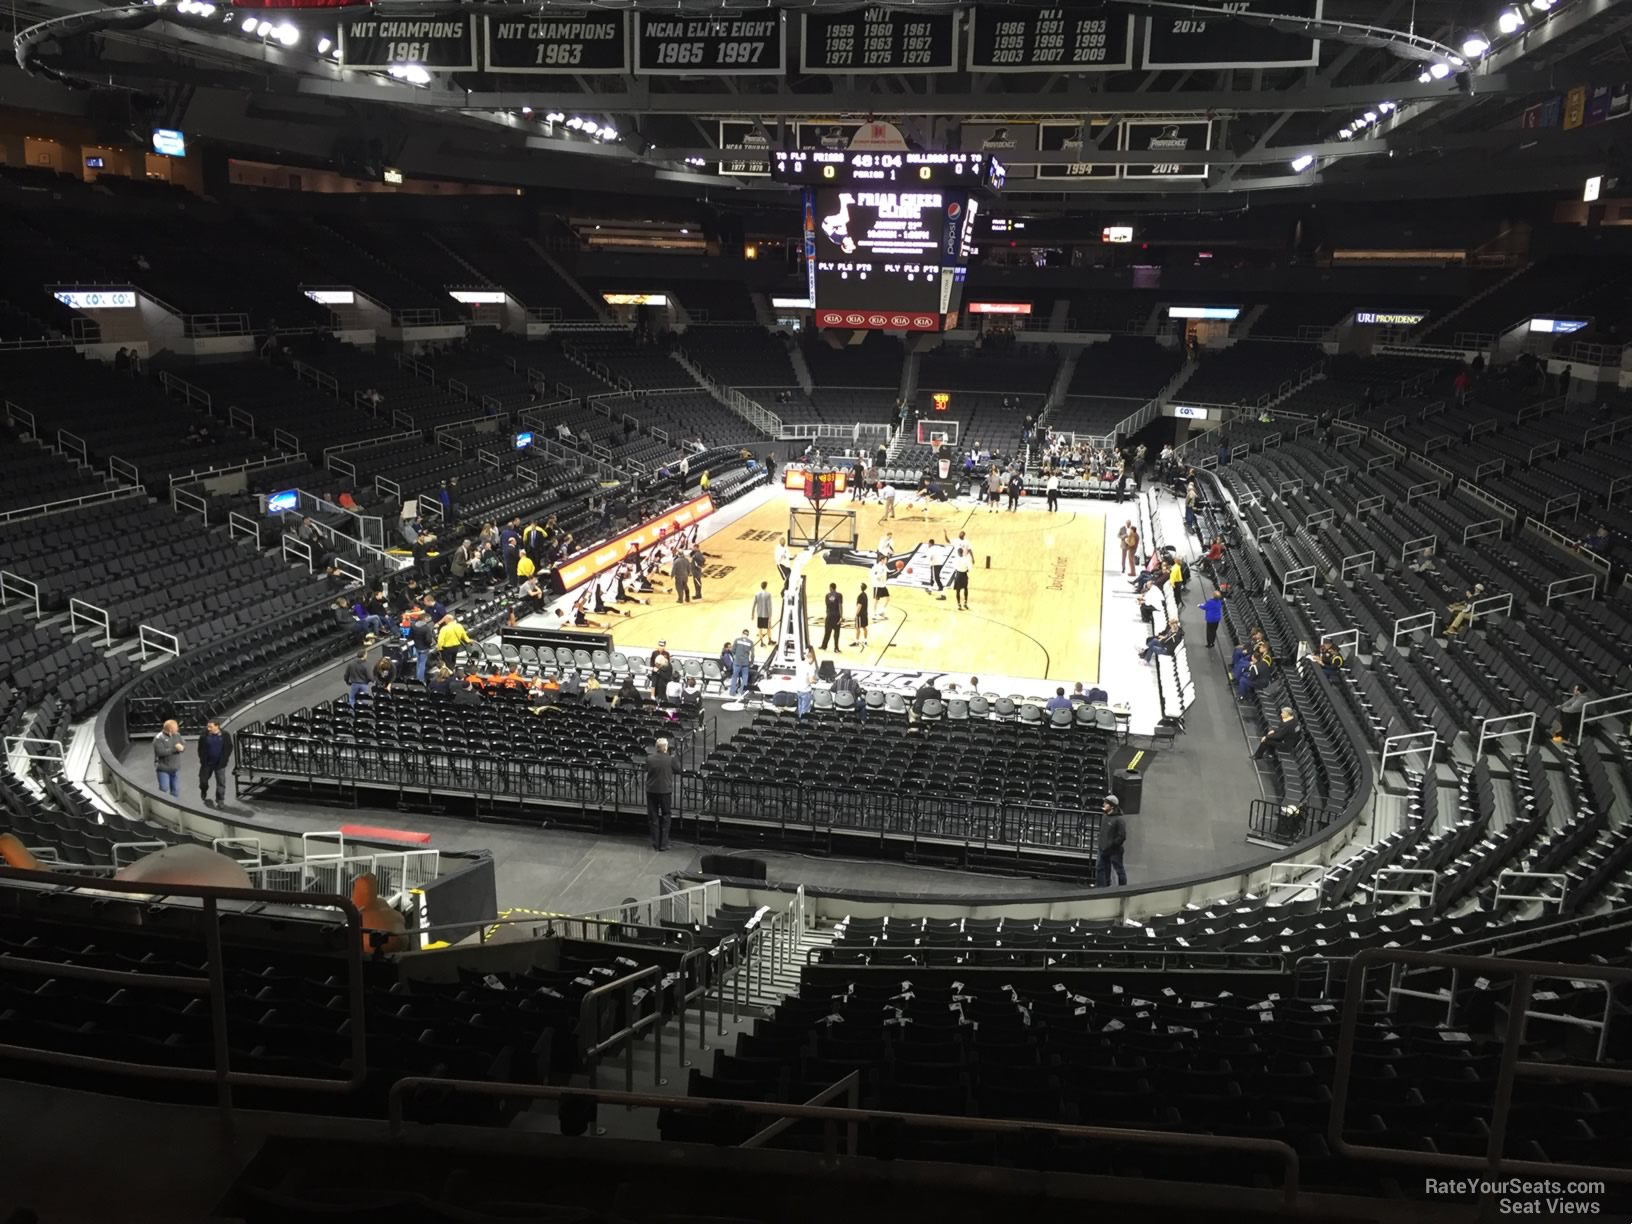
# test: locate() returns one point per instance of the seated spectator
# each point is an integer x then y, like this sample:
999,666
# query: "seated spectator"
1059,701
572,686
1282,735
691,696
927,691
441,681
1567,726
1328,656
594,695
1597,541
1255,675
628,696
1463,609
1164,642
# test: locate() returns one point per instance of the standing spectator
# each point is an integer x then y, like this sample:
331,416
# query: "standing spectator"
1113,836
1017,486
167,748
762,615
1129,539
1212,610
742,663
681,570
662,669
422,633
833,616
659,793
450,636
1052,488
804,681
886,494
994,490
358,676
214,751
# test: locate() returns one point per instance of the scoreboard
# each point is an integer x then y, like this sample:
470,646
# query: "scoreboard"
905,167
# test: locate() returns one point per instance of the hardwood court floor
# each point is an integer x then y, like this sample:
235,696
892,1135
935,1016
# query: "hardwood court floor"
1035,612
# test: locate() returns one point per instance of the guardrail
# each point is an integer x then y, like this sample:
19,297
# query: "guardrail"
82,614
180,388
184,501
322,381
242,525
212,985
158,641
209,326
72,503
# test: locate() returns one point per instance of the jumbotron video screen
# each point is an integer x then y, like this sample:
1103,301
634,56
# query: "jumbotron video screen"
891,250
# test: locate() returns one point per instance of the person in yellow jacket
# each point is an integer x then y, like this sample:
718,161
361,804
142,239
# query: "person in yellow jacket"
450,636
704,482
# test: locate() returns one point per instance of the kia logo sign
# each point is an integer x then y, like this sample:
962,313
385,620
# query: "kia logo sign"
855,320
877,320
924,322
900,321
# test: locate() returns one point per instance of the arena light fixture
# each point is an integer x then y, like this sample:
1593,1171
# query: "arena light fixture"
1475,45
1424,76
1302,162
323,44
263,28
526,110
1371,117
589,128
575,123
1385,107
1541,6
248,26
1345,133
1439,71
609,133
1510,22
554,117
287,34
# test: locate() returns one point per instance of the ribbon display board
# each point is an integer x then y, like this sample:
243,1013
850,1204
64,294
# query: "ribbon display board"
879,40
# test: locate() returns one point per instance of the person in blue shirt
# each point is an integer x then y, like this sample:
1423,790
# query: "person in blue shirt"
1058,702
1212,610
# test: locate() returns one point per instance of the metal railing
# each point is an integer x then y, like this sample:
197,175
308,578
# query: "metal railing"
834,1118
212,986
1523,973
72,503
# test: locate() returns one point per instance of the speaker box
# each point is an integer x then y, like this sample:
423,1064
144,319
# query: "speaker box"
734,866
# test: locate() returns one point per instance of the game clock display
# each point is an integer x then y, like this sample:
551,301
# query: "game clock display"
901,168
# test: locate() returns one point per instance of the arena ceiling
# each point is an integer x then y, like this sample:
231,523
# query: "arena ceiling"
1268,96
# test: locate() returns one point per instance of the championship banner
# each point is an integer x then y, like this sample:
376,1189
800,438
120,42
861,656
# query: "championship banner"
585,43
445,44
879,40
743,145
1008,142
878,320
1166,143
1049,40
1191,40
1063,136
704,46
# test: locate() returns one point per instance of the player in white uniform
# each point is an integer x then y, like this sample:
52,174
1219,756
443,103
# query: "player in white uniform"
879,576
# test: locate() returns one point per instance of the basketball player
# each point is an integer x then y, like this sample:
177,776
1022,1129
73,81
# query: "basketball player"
994,489
879,576
886,494
962,563
935,554
784,560
861,618
886,546
762,614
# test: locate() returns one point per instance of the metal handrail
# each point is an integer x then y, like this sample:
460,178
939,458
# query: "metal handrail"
850,1086
221,1073
854,1117
1512,1067
592,1050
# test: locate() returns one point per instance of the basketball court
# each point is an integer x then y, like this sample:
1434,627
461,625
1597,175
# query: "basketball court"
1035,612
